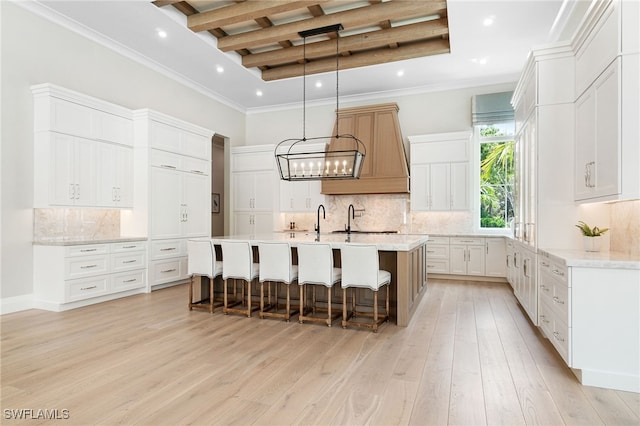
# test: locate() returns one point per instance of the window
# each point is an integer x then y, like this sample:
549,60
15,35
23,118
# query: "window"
496,174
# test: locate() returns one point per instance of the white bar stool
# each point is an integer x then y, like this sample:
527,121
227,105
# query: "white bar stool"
361,269
315,266
276,267
201,261
237,264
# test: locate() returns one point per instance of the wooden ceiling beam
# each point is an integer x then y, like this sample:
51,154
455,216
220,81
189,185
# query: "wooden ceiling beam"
353,43
242,12
409,51
350,19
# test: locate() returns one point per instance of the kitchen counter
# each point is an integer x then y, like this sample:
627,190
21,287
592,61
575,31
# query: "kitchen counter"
402,255
73,241
584,259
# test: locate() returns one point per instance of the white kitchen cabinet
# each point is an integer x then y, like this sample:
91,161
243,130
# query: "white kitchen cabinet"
254,190
438,255
440,178
300,196
467,256
169,134
511,270
495,257
68,170
439,187
524,275
114,186
71,276
252,223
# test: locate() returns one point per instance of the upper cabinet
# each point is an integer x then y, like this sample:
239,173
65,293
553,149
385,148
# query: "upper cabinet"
384,168
440,171
607,103
83,150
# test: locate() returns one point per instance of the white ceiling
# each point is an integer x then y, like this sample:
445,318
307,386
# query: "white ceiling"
131,26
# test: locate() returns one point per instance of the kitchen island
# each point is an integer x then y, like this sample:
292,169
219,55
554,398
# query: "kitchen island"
402,255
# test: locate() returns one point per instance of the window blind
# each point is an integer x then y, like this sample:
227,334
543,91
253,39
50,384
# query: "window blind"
491,108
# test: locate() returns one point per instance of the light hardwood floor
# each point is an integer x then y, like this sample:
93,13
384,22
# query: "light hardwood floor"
469,357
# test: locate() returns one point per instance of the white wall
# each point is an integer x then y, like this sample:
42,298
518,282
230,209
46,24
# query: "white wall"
35,50
433,112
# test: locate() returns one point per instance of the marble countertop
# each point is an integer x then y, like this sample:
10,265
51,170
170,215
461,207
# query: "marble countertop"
73,241
585,259
384,242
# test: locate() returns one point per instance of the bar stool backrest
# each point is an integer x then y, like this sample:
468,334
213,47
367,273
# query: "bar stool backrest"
275,262
201,259
360,264
315,264
237,260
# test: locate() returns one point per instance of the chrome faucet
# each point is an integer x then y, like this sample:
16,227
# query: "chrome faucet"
351,213
317,227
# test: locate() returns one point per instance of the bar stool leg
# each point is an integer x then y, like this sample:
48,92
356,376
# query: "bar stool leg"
301,303
211,280
248,298
226,299
191,293
329,306
375,311
262,300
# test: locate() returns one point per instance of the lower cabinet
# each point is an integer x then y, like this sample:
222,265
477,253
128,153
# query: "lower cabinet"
82,273
438,255
522,274
252,223
168,261
467,256
474,256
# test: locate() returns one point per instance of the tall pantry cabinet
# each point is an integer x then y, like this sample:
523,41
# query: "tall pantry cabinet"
172,191
544,210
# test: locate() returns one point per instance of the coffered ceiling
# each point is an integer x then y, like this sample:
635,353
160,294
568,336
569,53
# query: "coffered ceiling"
248,58
291,38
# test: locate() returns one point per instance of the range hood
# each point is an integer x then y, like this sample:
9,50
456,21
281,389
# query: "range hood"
384,168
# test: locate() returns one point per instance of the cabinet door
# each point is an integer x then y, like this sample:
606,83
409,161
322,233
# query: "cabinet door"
196,197
420,187
459,186
124,176
475,260
607,169
315,196
106,187
243,190
294,196
457,259
167,213
243,223
263,223
196,145
495,265
585,147
263,185
85,172
70,118
61,169
439,187
165,137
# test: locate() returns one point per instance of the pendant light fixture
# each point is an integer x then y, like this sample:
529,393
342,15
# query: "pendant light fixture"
296,162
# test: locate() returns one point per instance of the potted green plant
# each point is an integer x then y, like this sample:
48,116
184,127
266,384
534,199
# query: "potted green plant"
591,236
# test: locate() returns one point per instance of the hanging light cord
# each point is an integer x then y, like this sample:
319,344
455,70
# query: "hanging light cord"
337,85
304,88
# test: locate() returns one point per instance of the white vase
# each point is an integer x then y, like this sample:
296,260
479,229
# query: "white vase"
592,243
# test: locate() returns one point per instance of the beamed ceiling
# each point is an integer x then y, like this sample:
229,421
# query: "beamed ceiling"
265,33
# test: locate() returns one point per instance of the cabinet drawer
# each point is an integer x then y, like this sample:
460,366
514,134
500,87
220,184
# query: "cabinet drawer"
193,165
164,249
165,271
166,160
127,261
556,270
437,251
85,266
86,250
437,266
437,240
467,241
128,280
128,247
85,288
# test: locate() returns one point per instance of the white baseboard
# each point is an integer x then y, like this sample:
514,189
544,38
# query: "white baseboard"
16,304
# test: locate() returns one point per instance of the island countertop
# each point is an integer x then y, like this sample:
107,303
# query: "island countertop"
384,242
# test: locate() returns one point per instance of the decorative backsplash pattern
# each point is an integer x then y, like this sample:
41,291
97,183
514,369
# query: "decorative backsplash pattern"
625,227
52,224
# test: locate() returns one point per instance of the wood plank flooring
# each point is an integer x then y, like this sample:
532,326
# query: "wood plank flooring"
469,357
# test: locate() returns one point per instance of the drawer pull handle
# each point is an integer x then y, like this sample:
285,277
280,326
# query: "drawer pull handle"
130,281
168,249
168,270
129,261
545,264
557,272
197,171
88,266
167,166
431,251
544,287
88,288
430,266
544,319
556,335
558,301
128,247
87,250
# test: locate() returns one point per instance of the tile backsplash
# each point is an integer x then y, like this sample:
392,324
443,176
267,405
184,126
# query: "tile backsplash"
51,224
625,227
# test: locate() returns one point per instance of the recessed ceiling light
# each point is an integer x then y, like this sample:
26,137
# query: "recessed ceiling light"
161,33
488,21
258,92
400,73
318,84
220,69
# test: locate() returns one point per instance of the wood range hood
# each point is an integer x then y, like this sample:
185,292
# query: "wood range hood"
384,168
